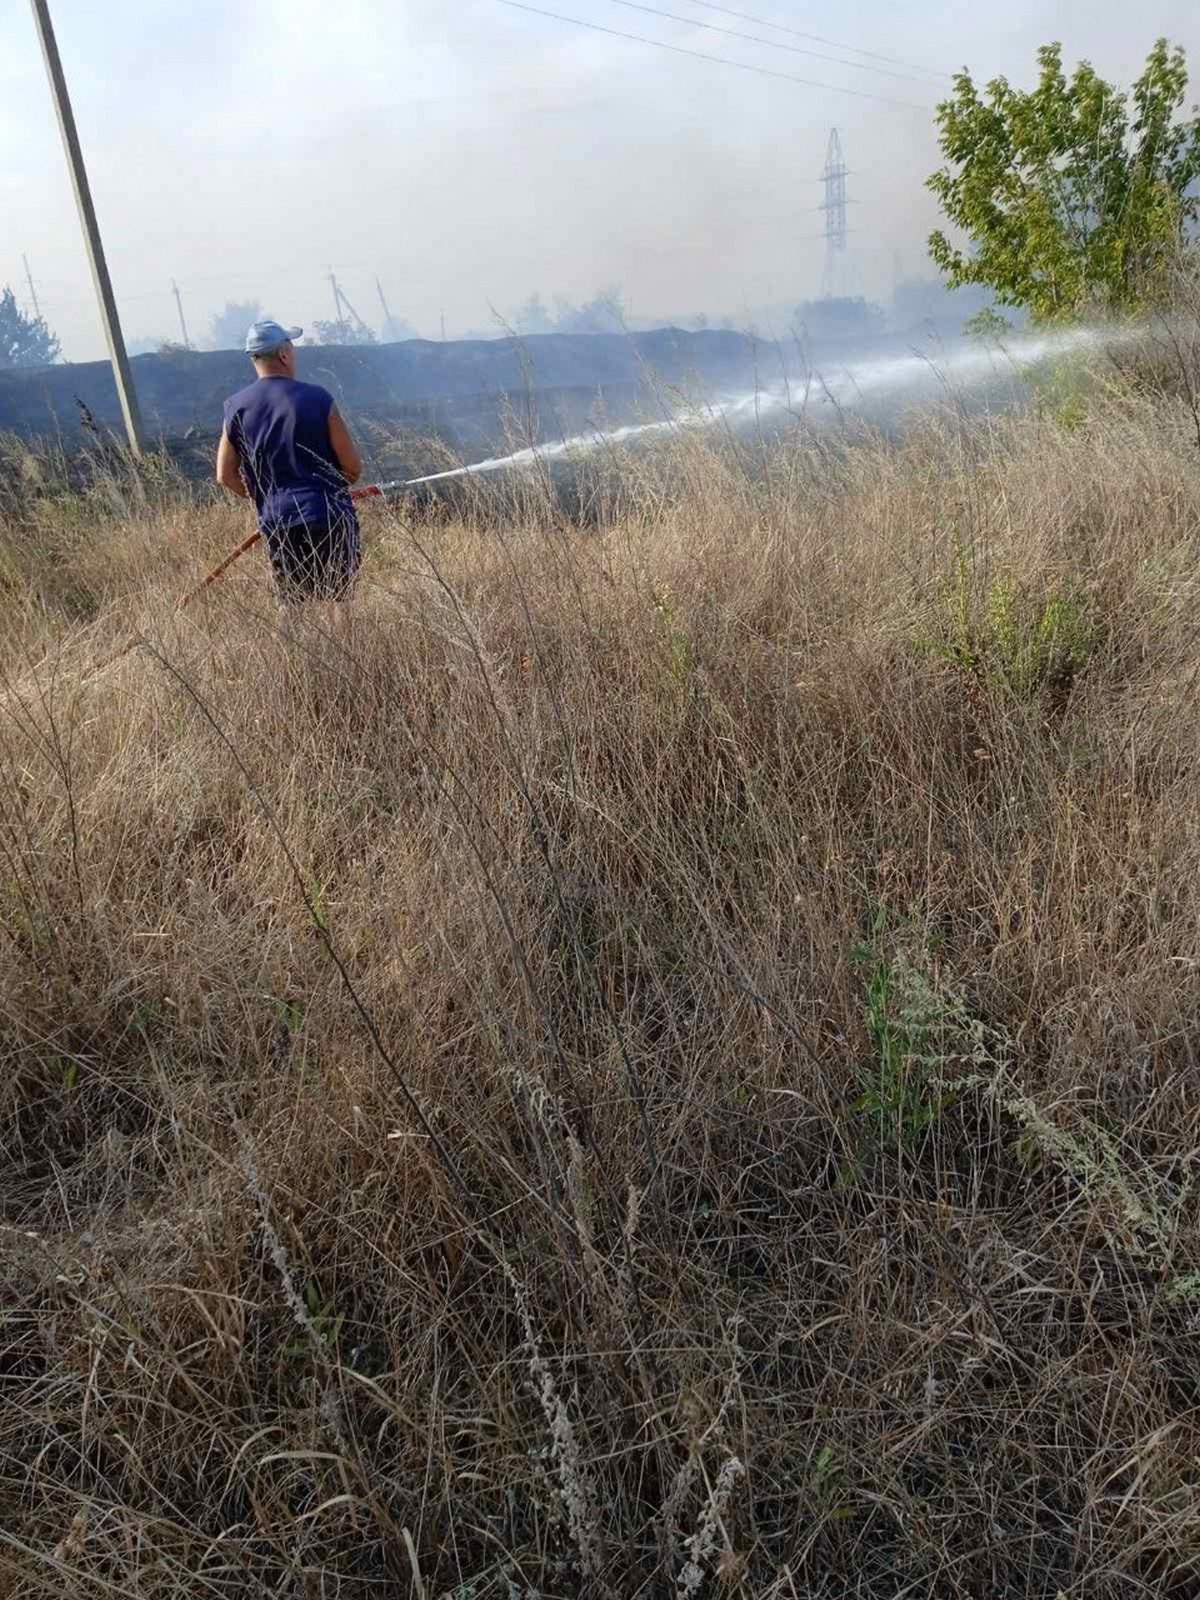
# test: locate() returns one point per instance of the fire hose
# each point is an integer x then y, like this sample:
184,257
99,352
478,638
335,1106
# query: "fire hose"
370,491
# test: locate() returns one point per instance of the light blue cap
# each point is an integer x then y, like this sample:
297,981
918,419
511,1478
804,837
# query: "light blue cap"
266,336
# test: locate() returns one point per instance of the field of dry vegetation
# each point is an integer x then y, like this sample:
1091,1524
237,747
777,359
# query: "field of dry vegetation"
662,1064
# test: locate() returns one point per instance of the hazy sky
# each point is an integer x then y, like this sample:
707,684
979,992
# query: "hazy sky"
468,152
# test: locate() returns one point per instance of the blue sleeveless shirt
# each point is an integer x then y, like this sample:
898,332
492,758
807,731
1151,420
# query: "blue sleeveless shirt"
280,430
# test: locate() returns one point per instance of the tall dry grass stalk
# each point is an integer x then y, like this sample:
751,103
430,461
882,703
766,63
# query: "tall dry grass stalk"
734,963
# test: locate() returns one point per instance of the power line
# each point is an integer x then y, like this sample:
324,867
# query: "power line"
818,38
721,61
755,38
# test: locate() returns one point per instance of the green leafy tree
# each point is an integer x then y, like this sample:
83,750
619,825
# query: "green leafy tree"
1073,194
24,341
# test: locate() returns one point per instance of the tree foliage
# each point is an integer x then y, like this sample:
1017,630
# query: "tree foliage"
24,341
1073,194
603,313
396,328
342,331
534,316
229,326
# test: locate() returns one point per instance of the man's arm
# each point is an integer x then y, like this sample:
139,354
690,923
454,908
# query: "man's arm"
345,451
229,468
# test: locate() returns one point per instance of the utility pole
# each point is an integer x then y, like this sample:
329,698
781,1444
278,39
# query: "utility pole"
37,310
126,393
354,316
387,315
834,206
345,311
187,343
339,314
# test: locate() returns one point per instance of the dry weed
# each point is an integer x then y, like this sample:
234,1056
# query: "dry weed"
387,1021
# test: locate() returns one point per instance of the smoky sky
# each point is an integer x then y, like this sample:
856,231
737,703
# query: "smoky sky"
468,153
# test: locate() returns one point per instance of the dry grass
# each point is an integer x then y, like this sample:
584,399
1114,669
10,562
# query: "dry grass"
664,1065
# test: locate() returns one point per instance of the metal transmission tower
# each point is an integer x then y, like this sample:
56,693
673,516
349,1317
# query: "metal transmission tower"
834,206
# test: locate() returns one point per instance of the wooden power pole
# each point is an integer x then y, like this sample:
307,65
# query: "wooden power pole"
91,232
187,343
387,315
338,311
37,310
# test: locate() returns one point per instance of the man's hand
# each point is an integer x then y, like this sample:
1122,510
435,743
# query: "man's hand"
229,468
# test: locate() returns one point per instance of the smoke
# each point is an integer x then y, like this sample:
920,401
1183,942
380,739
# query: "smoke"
880,387
470,155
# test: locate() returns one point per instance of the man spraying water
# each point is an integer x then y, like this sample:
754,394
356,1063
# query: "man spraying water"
285,446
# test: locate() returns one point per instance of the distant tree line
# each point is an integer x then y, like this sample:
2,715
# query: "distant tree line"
1075,196
603,313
